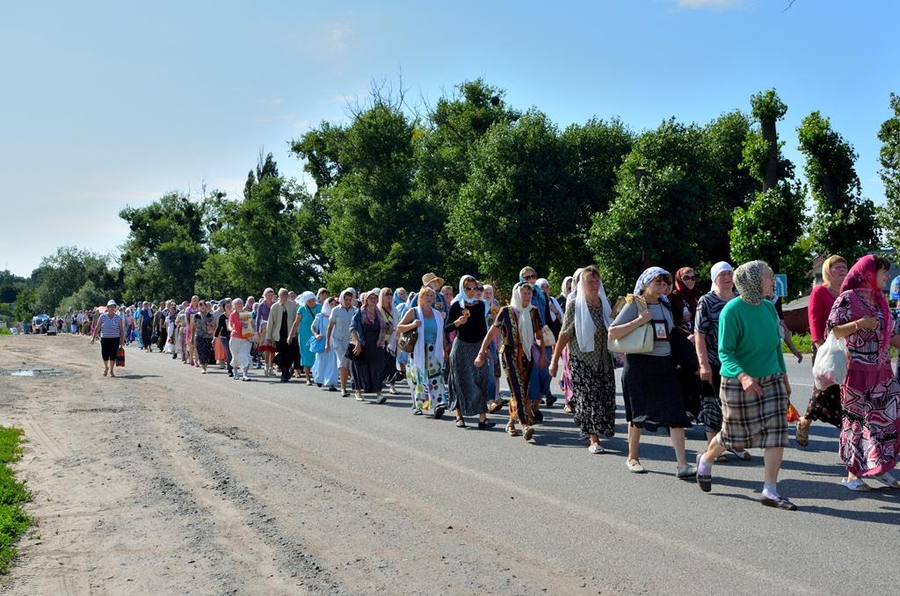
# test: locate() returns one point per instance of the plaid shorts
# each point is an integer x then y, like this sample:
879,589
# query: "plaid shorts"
751,420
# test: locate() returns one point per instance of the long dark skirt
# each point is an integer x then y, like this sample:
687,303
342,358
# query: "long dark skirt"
146,334
161,338
594,396
518,372
368,373
825,405
288,357
204,349
391,374
468,383
652,393
710,402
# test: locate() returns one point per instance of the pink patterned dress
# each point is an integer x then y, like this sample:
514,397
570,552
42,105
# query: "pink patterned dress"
870,395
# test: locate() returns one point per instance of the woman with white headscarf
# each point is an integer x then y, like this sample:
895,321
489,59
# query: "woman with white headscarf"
307,309
366,333
522,349
593,370
325,371
650,384
706,343
337,338
468,384
565,383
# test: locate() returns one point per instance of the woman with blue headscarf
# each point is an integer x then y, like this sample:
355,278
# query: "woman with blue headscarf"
306,313
650,384
468,385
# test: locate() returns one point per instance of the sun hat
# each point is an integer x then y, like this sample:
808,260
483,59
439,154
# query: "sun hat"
430,277
111,303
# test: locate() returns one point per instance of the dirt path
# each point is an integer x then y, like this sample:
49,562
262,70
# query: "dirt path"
142,485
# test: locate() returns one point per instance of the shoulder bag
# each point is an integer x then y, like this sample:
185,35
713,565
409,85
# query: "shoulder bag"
638,341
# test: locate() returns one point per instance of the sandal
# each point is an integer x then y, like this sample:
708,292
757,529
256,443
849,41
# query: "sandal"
801,432
722,459
741,454
856,485
528,432
888,480
511,430
460,423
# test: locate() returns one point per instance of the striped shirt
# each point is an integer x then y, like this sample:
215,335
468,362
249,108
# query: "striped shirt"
109,327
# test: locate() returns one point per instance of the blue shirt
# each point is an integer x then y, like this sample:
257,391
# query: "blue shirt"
430,330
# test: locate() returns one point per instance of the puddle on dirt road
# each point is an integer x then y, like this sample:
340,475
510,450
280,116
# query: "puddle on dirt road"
33,372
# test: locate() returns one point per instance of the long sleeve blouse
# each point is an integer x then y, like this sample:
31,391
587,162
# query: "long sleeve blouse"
475,328
820,302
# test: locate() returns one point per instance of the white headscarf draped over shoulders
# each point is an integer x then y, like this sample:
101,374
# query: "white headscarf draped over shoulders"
584,323
523,319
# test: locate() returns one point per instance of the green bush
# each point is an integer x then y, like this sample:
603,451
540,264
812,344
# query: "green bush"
13,520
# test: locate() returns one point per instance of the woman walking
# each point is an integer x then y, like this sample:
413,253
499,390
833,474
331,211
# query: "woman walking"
565,382
366,333
706,343
495,404
468,385
306,313
870,395
388,336
337,337
424,369
325,372
204,328
755,389
593,371
824,404
683,301
650,385
111,329
280,331
222,333
239,345
522,349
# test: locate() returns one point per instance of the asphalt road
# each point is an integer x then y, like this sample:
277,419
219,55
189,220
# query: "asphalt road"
465,510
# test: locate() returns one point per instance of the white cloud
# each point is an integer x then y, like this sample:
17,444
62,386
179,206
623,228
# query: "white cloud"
711,4
337,34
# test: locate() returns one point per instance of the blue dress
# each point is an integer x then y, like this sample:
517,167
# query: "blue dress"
304,333
325,370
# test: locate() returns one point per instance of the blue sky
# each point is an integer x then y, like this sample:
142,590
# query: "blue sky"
105,104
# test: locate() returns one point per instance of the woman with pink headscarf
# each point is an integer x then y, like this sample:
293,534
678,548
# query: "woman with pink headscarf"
870,394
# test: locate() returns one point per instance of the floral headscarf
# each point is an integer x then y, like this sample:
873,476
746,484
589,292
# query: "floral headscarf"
863,277
647,278
523,318
748,278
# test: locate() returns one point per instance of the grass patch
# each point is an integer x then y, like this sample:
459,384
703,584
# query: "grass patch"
802,342
5,331
13,521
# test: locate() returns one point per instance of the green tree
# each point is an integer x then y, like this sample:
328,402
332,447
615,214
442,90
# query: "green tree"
769,228
86,297
10,286
164,249
663,190
63,273
515,201
844,223
889,135
26,305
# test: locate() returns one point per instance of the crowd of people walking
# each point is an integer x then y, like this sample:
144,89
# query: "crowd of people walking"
713,359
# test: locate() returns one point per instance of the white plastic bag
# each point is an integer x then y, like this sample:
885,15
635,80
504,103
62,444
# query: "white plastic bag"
831,362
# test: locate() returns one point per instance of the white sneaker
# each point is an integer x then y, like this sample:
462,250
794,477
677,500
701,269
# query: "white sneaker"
359,397
596,449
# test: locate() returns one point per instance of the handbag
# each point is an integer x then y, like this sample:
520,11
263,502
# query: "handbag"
638,341
316,347
120,357
350,355
549,338
407,341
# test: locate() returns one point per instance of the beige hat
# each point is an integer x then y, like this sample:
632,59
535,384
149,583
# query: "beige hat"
430,277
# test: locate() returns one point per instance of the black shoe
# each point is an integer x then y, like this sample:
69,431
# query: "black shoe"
551,399
332,389
538,417
704,480
438,412
285,379
779,503
319,385
486,424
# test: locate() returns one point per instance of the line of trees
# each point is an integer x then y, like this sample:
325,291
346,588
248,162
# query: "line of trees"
474,185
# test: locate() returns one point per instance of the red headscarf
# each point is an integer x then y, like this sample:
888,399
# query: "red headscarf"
863,276
690,297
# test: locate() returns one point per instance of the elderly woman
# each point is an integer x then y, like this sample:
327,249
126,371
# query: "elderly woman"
307,310
683,300
280,332
192,309
540,374
706,343
468,384
222,334
870,395
239,322
171,329
111,329
388,336
260,323
424,369
825,404
565,382
366,329
325,372
495,403
593,372
522,349
650,386
204,329
755,390
400,307
337,337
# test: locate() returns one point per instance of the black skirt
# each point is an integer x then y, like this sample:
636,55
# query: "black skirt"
652,393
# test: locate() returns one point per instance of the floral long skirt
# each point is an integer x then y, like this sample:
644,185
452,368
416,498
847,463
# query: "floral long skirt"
428,389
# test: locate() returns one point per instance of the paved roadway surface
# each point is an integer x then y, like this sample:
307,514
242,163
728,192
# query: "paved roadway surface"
476,511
